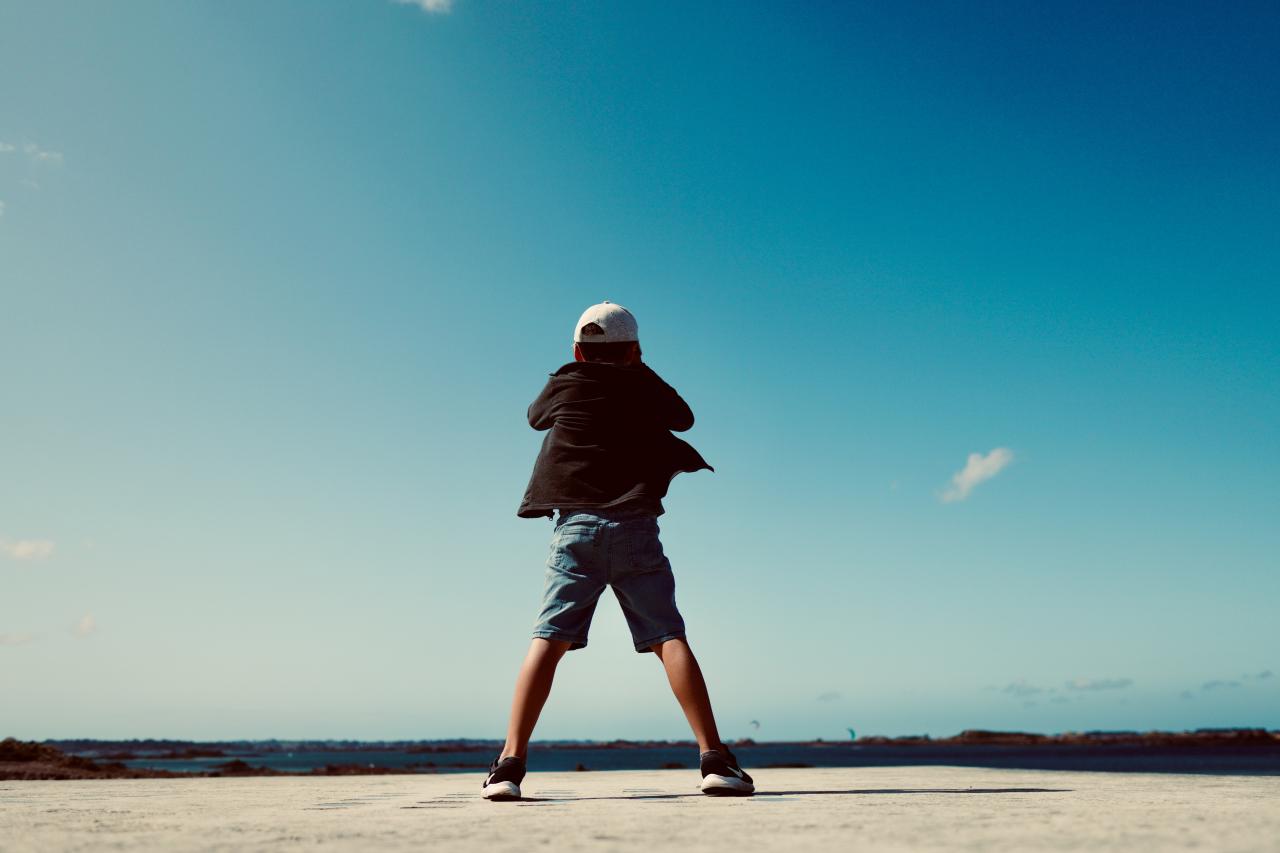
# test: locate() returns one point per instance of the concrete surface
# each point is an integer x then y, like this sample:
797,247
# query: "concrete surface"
884,808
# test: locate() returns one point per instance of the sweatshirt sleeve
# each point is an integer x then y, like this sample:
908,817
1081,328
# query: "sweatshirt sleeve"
674,411
540,409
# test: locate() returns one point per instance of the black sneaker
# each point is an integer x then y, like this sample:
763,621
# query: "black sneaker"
722,777
505,776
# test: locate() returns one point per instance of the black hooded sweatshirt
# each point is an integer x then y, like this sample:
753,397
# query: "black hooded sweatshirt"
610,444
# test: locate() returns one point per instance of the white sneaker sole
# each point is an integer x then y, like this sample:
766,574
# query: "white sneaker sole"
725,786
501,791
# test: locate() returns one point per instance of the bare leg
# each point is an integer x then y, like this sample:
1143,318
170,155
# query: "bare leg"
691,690
533,685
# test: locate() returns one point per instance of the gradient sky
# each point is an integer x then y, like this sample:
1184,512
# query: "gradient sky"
279,280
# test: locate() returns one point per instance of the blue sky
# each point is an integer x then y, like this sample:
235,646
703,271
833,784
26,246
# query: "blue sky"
279,280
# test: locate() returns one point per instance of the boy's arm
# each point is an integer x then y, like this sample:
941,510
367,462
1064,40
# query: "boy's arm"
673,410
540,410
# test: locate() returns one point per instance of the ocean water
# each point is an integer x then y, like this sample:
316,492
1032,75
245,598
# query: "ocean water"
1142,759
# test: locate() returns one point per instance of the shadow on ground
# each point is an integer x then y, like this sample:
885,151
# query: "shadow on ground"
848,792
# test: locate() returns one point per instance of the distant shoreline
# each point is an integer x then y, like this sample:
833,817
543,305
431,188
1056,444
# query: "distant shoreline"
1222,751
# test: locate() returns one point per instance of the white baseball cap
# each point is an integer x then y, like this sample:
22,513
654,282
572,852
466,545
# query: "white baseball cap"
606,323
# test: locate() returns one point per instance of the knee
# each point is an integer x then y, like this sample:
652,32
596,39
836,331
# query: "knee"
551,647
679,645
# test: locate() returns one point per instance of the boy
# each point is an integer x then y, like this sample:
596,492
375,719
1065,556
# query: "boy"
605,466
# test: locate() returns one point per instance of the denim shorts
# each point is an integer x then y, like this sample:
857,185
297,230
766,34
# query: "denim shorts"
592,549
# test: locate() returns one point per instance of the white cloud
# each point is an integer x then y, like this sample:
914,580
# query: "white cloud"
978,469
15,639
27,549
42,155
1020,687
86,625
1,207
435,7
5,148
1099,683
829,696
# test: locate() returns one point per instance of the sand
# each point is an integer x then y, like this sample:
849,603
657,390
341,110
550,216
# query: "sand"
895,808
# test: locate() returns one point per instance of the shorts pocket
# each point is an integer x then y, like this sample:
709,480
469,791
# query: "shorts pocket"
646,548
574,549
